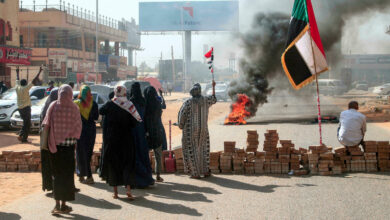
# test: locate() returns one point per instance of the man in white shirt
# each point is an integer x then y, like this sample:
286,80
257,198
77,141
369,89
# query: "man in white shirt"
352,126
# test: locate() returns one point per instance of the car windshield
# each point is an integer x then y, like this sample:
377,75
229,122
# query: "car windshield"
9,95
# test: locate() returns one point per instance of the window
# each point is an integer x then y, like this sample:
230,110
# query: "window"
39,93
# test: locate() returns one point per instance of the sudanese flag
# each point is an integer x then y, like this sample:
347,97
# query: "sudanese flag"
304,56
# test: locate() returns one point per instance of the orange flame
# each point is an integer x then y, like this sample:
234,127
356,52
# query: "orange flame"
239,113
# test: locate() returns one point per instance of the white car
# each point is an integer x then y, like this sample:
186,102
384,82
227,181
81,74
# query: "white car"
17,122
8,102
382,90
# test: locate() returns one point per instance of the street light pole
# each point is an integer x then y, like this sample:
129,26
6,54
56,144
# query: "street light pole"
97,42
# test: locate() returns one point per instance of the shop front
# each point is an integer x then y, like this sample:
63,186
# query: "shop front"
12,56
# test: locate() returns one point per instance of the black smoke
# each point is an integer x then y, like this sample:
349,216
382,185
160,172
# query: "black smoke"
264,44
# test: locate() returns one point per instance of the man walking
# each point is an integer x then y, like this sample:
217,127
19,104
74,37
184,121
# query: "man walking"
352,126
193,117
24,103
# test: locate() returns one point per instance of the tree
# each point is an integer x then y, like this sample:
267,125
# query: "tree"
143,67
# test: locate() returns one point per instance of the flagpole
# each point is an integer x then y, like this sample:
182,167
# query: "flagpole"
318,90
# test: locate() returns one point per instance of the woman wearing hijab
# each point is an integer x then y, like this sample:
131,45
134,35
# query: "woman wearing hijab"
89,114
163,106
153,127
47,181
63,123
143,176
118,153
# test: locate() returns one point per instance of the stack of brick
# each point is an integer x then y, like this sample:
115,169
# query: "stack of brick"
383,155
23,161
370,156
259,162
271,163
178,153
304,158
95,161
326,163
358,163
314,160
249,168
284,155
214,162
341,159
225,161
252,141
238,161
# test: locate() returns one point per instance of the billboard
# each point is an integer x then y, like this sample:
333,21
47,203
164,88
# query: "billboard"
188,16
58,64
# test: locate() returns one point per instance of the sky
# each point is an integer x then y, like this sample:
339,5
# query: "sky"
356,40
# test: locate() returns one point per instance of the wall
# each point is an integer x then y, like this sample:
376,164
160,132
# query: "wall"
9,11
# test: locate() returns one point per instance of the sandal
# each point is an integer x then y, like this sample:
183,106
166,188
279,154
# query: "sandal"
89,181
115,196
129,196
159,180
56,210
81,179
66,209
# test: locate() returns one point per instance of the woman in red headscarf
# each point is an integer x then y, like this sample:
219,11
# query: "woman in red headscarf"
89,114
64,124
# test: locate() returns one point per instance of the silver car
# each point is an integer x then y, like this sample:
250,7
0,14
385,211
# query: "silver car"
36,109
8,103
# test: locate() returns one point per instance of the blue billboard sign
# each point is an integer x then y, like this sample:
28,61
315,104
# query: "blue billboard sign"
188,16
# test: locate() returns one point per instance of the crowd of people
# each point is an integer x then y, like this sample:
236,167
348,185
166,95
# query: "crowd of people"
131,125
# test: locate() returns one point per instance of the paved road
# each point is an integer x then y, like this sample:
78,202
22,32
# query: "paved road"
302,134
354,196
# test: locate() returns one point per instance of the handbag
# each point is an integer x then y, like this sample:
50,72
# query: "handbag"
44,142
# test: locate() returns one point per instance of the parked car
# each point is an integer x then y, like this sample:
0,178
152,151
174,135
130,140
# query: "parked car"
332,87
104,90
8,103
362,86
221,92
382,90
36,109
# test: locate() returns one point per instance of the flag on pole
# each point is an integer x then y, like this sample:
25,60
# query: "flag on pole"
304,56
210,55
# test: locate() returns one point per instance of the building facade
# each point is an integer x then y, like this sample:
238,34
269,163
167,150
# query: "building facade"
63,37
11,52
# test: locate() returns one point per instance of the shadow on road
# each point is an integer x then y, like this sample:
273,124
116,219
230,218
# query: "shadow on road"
167,208
75,216
91,202
181,192
233,184
9,216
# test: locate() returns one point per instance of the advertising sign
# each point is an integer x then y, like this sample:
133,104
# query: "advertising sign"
58,64
111,61
14,55
189,16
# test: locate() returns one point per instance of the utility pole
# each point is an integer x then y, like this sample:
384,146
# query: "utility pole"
97,66
173,66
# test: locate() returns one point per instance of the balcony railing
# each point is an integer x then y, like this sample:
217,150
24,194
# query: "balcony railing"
74,11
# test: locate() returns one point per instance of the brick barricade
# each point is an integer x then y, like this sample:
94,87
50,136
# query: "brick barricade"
278,157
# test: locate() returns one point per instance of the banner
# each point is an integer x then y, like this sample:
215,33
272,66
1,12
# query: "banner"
58,64
15,55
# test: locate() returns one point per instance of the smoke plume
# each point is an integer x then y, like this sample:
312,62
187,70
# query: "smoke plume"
264,44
